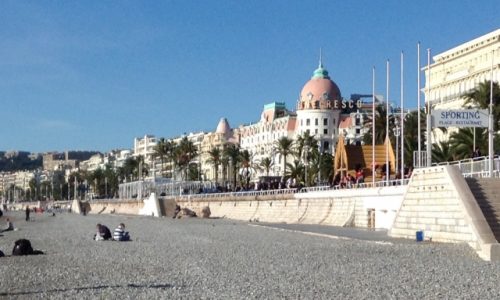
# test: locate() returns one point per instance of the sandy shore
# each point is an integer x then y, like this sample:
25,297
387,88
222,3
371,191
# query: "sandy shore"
225,259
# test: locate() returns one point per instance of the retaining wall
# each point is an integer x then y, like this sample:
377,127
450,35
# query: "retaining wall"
440,203
334,207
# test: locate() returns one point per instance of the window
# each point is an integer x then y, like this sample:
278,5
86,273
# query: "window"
308,122
326,146
316,121
316,104
358,131
325,121
316,131
308,131
325,131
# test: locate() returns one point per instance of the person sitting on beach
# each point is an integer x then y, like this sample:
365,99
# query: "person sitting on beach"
103,233
23,247
120,234
9,226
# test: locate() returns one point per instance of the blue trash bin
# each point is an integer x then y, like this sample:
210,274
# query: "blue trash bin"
420,236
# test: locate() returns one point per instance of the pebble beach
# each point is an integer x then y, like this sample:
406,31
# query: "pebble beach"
225,259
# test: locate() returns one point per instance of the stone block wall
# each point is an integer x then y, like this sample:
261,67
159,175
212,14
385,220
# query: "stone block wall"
436,203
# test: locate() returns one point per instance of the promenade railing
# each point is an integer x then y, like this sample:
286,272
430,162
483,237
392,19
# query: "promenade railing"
274,192
475,167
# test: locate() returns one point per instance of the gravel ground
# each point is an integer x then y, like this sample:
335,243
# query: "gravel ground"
225,259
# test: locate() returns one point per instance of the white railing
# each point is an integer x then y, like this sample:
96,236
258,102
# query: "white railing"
475,167
221,196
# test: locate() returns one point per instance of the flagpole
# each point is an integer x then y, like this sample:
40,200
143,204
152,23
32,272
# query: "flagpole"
373,126
419,118
490,123
387,169
402,117
428,100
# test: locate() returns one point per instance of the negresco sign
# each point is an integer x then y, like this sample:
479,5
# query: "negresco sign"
460,118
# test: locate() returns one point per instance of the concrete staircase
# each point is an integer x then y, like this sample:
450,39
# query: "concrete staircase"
487,194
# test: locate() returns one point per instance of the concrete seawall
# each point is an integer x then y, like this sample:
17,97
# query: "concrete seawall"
368,207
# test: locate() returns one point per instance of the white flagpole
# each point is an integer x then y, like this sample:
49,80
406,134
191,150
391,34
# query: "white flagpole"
387,169
402,118
490,123
429,129
419,130
373,126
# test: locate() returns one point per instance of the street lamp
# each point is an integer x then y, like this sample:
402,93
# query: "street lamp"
305,153
397,132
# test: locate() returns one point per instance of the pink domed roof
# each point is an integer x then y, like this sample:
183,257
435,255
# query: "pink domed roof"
320,92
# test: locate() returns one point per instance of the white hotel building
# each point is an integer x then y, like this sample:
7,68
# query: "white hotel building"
459,70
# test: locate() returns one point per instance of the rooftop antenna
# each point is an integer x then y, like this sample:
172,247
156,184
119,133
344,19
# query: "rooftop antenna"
320,59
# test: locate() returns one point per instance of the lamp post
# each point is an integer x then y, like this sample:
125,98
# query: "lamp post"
305,153
396,134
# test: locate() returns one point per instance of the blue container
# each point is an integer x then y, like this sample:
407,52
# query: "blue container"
420,236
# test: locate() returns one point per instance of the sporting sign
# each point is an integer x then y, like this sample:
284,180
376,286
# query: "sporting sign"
460,118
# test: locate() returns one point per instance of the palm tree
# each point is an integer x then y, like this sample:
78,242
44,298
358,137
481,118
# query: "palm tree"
215,156
480,96
306,140
233,154
411,134
326,166
380,125
266,164
296,170
442,152
184,153
284,147
462,142
160,151
246,159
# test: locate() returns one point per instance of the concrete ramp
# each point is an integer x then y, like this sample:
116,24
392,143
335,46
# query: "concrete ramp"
439,202
151,206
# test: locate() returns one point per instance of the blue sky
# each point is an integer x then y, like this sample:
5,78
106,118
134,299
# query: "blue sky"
92,75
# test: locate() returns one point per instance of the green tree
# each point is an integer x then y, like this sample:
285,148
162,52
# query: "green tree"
442,152
215,156
296,170
266,164
381,116
284,147
232,152
160,150
246,161
462,142
411,134
480,97
184,154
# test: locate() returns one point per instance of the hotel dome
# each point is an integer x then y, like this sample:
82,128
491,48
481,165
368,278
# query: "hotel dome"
320,92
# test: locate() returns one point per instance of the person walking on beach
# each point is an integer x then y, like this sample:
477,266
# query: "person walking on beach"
27,213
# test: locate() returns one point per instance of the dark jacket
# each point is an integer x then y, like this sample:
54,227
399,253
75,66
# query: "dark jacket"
104,232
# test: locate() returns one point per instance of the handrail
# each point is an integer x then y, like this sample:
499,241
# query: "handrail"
205,196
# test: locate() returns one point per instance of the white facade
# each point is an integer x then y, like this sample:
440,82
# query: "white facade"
93,163
260,138
145,147
322,124
459,70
